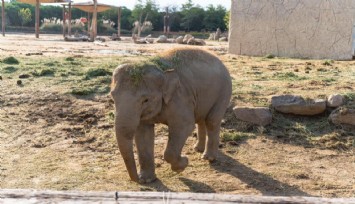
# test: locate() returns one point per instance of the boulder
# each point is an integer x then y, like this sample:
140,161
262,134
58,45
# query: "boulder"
297,105
162,39
187,38
255,115
194,41
180,40
343,116
223,39
335,100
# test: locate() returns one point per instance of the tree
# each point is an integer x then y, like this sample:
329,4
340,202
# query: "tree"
191,17
214,18
227,19
148,11
25,16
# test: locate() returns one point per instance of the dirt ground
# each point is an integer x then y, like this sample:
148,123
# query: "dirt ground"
51,137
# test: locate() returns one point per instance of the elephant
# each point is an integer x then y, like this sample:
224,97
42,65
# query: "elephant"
180,87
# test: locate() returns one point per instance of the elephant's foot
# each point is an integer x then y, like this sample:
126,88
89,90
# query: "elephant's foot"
145,177
209,156
180,165
199,147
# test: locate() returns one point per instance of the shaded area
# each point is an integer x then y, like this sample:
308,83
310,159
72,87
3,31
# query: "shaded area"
259,181
197,187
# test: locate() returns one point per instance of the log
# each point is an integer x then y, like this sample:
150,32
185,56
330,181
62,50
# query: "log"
34,196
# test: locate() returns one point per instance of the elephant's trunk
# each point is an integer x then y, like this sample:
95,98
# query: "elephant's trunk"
124,137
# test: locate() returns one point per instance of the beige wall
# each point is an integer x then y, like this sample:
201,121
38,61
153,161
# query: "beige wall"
292,28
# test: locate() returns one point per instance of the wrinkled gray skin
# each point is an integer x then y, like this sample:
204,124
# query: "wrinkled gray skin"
198,91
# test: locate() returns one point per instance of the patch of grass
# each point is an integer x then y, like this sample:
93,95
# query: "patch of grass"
234,136
10,69
69,59
288,76
10,60
329,80
92,73
269,56
328,62
83,91
43,72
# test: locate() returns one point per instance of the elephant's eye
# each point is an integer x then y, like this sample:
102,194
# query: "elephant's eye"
145,101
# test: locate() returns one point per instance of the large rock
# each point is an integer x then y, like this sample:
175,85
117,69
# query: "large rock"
343,116
335,100
297,105
258,115
162,39
180,40
187,38
194,41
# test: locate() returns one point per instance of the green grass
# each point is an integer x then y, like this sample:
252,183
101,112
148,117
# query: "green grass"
10,60
9,69
269,56
288,76
235,136
92,73
43,72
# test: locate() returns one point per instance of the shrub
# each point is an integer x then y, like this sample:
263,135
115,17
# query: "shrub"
10,60
97,72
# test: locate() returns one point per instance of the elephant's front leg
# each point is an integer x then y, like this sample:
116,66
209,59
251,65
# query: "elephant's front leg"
178,134
145,146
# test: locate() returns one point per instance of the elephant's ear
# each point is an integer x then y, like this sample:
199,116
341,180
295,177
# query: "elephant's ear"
171,84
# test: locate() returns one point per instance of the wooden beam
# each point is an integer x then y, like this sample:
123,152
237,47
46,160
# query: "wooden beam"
3,17
64,20
69,19
37,19
119,13
34,196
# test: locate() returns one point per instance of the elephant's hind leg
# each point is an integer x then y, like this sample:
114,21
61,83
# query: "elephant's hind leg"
201,134
145,146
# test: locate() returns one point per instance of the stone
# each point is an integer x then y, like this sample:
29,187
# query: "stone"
217,35
317,29
24,76
194,41
343,115
335,100
0,77
187,38
212,36
180,40
162,39
223,39
297,105
255,115
19,82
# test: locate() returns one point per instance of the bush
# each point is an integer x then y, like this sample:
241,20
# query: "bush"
97,72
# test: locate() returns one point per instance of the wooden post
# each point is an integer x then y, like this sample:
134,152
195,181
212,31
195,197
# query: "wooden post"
88,23
3,17
119,12
37,19
94,22
69,19
64,20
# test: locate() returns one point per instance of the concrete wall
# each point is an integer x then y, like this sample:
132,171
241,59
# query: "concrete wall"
292,28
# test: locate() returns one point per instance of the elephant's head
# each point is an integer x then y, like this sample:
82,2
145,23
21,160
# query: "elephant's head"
139,93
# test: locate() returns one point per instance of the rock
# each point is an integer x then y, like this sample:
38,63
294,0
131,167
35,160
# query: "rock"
180,40
211,37
187,38
194,41
297,105
335,100
223,39
343,116
217,35
24,76
258,115
0,77
19,82
115,37
162,39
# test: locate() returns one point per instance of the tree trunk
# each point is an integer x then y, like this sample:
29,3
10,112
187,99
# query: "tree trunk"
69,19
119,12
88,21
64,21
37,19
94,22
3,17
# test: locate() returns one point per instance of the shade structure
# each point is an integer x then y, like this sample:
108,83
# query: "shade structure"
89,7
37,3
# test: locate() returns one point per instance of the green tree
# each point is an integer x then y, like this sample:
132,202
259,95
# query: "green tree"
25,16
214,18
192,17
145,13
227,19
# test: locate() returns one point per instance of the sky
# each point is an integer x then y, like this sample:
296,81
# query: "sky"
163,3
